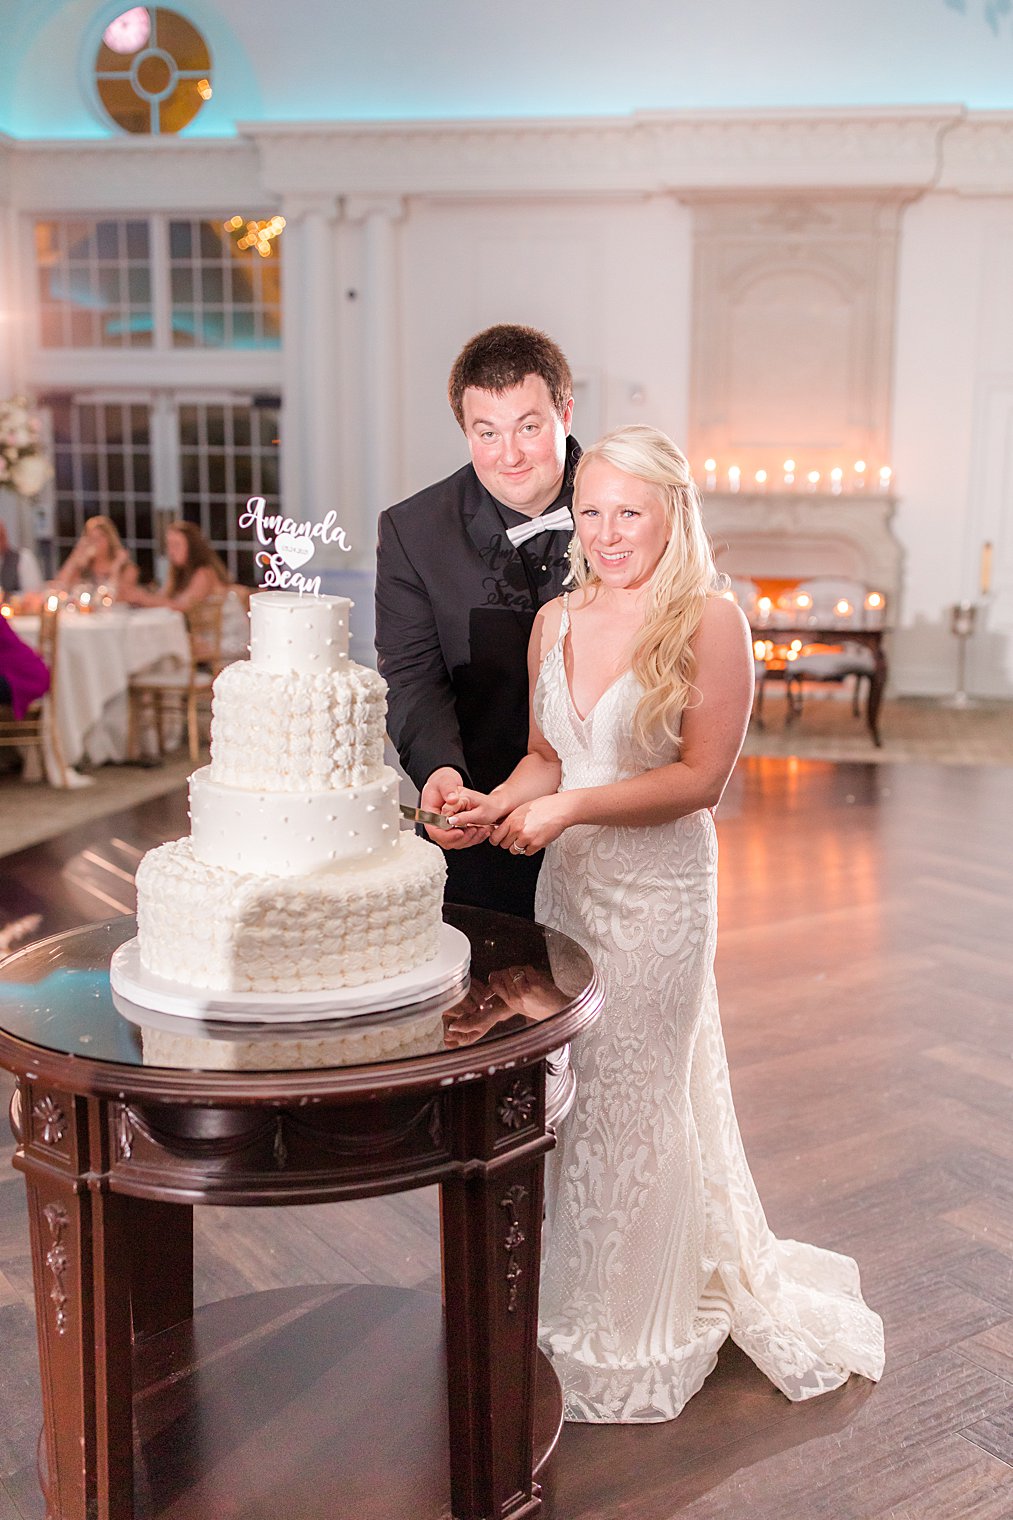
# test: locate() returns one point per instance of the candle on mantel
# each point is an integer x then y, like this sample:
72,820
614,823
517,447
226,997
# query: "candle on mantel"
789,472
52,602
875,603
986,568
885,477
860,468
814,479
710,473
761,480
734,477
837,480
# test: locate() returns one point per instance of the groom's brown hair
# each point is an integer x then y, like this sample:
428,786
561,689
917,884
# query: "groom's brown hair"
503,356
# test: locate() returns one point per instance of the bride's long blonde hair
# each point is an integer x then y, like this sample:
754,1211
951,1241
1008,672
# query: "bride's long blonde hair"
685,577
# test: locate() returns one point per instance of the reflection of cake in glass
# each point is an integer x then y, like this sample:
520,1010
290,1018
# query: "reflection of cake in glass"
359,1043
296,876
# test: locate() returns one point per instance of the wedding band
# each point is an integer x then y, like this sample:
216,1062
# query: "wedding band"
517,849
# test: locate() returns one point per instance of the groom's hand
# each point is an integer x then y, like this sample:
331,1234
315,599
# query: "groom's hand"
442,784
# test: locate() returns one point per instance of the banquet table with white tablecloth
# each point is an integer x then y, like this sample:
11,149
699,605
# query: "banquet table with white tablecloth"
98,653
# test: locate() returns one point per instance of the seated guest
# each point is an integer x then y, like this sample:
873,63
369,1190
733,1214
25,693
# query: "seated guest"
19,569
196,573
99,558
23,675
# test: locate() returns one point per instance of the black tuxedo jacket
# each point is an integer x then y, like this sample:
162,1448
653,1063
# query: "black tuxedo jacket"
454,609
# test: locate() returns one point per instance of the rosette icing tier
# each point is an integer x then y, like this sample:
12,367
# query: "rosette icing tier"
289,732
247,932
297,876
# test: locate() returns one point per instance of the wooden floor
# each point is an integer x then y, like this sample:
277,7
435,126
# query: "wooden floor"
866,974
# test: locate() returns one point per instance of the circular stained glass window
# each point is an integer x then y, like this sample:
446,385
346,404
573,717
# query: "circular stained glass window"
152,70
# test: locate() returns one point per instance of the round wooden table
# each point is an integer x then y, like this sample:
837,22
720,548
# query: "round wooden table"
335,1401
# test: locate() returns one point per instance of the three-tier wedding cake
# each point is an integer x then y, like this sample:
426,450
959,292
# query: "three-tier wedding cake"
296,876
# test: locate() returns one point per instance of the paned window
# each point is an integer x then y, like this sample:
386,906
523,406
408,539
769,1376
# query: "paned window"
102,458
152,70
215,455
223,296
100,284
94,284
228,452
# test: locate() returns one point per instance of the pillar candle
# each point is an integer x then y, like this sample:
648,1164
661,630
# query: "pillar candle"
986,568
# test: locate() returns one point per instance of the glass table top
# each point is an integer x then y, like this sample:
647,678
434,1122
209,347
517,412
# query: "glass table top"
56,995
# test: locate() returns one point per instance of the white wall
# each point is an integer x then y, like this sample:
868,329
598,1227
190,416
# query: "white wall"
953,409
608,279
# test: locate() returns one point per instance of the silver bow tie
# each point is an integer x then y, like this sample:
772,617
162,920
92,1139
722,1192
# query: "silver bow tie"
521,532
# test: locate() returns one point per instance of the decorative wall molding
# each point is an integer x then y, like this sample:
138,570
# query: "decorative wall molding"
116,174
793,316
641,153
977,155
914,149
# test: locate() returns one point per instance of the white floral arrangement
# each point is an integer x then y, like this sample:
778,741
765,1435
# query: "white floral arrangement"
23,465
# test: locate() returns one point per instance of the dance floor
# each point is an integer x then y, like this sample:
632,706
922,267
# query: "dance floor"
866,979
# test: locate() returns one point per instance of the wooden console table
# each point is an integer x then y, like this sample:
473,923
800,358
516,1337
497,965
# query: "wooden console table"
314,1402
872,638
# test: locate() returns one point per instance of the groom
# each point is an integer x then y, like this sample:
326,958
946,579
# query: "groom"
462,567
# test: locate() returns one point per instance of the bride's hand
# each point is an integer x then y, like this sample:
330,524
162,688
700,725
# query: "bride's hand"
471,809
533,825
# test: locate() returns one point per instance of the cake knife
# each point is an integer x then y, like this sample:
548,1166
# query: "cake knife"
434,820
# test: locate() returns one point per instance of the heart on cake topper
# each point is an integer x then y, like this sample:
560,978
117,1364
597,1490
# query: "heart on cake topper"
294,548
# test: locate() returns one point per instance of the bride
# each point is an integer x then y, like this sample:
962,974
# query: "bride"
657,1246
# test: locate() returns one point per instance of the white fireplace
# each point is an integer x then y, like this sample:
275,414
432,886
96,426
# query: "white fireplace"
802,535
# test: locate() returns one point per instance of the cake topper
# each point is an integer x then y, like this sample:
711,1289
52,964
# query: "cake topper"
289,545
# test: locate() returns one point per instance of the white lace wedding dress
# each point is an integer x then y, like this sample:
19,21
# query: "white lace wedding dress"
657,1247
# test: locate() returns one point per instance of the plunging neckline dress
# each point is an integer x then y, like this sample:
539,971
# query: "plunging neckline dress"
656,1244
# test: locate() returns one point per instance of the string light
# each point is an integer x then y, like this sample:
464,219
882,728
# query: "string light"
254,234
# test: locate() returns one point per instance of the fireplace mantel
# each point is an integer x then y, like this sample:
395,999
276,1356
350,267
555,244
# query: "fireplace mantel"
802,534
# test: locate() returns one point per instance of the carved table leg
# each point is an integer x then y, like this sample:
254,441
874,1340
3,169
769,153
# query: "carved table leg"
80,1239
877,685
492,1220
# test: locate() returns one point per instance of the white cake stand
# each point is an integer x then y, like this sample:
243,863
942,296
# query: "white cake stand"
145,991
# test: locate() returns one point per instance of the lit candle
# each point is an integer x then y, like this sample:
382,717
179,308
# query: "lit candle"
803,601
52,602
860,468
885,477
734,477
837,481
763,606
6,610
761,480
874,604
789,472
843,608
986,568
711,468
814,479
